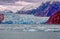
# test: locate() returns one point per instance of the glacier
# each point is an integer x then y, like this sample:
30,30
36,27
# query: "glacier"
11,18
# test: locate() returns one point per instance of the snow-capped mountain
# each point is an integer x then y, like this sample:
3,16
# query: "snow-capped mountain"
45,9
29,7
48,9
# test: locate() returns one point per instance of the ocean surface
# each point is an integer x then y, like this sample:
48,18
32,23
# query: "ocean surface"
29,28
29,35
19,31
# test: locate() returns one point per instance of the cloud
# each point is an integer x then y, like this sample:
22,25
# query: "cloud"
23,3
8,1
16,5
15,2
29,0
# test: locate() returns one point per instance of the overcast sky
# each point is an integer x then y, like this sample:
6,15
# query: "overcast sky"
13,1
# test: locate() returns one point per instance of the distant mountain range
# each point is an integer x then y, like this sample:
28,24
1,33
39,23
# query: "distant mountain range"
45,9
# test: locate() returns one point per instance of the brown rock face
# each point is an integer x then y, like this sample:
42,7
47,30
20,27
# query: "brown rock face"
54,19
1,17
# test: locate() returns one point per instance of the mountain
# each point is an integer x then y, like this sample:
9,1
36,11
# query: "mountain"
48,9
42,10
33,11
28,9
45,9
54,19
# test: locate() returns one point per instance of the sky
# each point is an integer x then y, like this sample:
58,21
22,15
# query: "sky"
15,5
